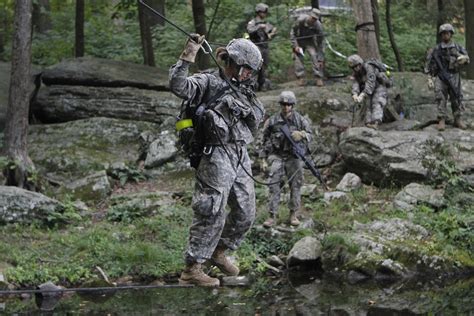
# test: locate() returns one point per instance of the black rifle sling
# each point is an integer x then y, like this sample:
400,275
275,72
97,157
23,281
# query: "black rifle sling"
444,75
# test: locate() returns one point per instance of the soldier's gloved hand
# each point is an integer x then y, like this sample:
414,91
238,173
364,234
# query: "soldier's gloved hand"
430,83
361,97
264,165
355,97
463,59
192,48
298,135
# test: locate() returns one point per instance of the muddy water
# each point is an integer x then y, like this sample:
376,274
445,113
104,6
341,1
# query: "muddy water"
294,295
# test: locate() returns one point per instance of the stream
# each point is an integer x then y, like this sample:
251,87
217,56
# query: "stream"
295,294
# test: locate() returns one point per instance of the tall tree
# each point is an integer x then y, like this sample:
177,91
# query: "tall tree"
365,28
469,23
441,19
3,33
375,17
146,37
388,19
79,38
315,4
199,15
41,16
147,21
16,129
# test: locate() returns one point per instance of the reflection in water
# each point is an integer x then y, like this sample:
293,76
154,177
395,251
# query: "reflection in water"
299,294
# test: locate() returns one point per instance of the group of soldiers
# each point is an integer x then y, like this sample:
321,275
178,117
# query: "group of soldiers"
227,115
306,35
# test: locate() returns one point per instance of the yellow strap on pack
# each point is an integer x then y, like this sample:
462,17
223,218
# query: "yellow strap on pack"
182,124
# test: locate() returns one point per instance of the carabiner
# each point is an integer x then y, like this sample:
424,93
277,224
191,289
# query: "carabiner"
206,48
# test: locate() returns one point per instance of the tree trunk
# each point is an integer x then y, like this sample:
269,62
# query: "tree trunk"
79,43
366,37
158,5
388,18
469,23
3,33
440,20
16,129
146,38
41,16
199,15
375,17
315,4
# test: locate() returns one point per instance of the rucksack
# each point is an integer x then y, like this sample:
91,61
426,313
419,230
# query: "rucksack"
190,127
383,75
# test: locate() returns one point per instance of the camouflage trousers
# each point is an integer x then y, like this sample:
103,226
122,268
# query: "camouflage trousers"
292,168
442,92
376,105
317,60
220,180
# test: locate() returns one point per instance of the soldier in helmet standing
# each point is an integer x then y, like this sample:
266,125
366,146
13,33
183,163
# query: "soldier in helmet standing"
261,32
450,56
278,151
371,83
307,36
230,121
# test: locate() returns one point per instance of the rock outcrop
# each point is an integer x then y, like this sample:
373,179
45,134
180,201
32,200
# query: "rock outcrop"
22,206
392,156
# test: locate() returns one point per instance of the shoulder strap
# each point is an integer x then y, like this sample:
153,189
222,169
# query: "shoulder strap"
218,94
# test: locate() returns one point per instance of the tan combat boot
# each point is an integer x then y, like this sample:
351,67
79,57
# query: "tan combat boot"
193,274
271,221
373,125
319,82
294,221
301,82
459,123
220,260
441,125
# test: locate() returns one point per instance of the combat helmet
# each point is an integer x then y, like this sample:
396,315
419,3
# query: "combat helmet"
287,97
261,7
315,13
446,28
245,53
354,60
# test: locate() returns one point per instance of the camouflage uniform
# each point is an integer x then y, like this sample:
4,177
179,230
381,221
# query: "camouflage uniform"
448,52
261,38
312,41
277,149
220,177
368,80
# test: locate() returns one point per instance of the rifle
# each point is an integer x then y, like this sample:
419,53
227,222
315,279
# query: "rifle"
445,76
299,150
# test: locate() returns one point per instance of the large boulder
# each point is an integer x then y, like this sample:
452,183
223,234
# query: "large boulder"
62,103
21,206
393,156
91,71
69,151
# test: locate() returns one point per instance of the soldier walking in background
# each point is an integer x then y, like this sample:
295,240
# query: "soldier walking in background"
307,36
371,83
278,151
261,32
228,121
443,63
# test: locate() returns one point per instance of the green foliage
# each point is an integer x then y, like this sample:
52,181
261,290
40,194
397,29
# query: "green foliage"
338,240
452,227
69,215
150,248
438,160
129,173
125,213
